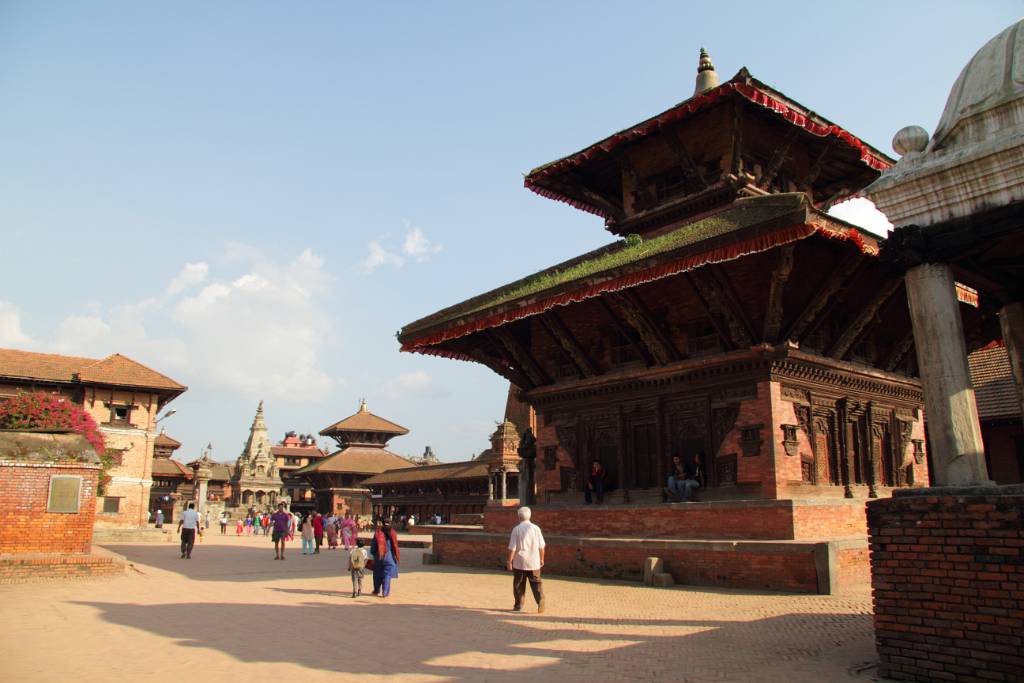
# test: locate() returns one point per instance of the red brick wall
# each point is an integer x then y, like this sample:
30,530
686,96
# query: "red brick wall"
948,579
27,527
812,520
19,569
771,566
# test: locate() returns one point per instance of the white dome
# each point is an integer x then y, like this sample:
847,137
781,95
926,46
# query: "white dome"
993,78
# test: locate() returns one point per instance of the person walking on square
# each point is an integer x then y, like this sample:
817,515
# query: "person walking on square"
159,519
385,558
349,531
306,531
595,483
223,523
187,527
331,527
280,520
239,527
525,560
318,530
357,567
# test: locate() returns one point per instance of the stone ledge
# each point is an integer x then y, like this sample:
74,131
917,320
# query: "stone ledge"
980,490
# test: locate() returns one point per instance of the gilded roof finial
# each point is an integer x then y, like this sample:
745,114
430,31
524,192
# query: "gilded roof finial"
362,406
707,77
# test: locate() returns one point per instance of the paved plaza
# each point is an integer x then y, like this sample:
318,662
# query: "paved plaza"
233,613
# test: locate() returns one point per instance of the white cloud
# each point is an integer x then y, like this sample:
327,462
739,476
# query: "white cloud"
418,383
379,256
11,333
862,212
415,246
259,333
191,274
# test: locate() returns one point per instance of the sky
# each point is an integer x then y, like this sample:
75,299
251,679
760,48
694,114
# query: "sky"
254,197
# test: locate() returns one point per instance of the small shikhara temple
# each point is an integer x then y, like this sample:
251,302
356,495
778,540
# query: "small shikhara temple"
735,323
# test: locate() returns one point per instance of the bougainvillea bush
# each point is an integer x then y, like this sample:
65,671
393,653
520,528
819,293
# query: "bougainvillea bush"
40,410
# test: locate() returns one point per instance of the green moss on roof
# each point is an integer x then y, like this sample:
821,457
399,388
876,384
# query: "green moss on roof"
742,214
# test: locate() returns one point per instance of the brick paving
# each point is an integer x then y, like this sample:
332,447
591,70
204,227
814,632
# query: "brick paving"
233,613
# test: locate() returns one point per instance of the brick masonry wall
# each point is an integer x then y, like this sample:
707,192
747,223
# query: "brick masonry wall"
948,578
768,520
756,566
20,569
26,525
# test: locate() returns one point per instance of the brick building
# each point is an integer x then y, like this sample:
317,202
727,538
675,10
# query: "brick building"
124,397
1000,413
294,452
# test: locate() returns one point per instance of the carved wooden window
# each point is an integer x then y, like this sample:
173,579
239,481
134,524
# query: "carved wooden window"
725,470
550,457
120,414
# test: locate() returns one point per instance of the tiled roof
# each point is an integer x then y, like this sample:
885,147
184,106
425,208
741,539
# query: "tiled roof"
994,388
163,440
747,226
301,451
165,467
122,371
357,460
364,421
114,370
473,469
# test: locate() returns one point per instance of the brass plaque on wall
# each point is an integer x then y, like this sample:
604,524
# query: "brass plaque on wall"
65,493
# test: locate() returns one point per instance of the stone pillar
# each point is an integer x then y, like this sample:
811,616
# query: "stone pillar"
527,462
1011,319
490,486
952,414
503,484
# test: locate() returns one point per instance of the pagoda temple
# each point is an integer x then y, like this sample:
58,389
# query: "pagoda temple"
735,323
337,480
257,482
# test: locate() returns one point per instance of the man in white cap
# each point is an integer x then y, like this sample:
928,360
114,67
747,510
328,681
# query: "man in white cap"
525,559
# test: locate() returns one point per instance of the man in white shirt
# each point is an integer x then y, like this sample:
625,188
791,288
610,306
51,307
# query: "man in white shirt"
187,525
525,559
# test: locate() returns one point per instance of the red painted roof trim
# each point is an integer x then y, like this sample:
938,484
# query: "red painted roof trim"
681,111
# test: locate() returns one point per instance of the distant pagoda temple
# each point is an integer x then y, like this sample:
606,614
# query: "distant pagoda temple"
736,322
337,480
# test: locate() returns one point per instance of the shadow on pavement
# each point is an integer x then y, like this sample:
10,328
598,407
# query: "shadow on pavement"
468,644
251,562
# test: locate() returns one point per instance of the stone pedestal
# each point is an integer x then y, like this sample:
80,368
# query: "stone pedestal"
953,428
947,569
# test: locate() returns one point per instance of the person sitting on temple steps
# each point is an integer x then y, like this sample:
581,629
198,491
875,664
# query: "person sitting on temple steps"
684,480
595,483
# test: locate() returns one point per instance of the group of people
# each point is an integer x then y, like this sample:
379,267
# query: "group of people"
314,527
684,478
525,549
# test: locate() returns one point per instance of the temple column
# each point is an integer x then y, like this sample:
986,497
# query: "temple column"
953,428
490,487
503,484
1011,320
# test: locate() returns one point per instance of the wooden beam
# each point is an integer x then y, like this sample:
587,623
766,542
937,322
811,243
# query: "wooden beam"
683,158
780,276
564,338
718,305
899,351
825,293
816,167
520,355
503,367
736,162
627,332
720,327
627,167
853,332
778,158
735,305
609,206
635,314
